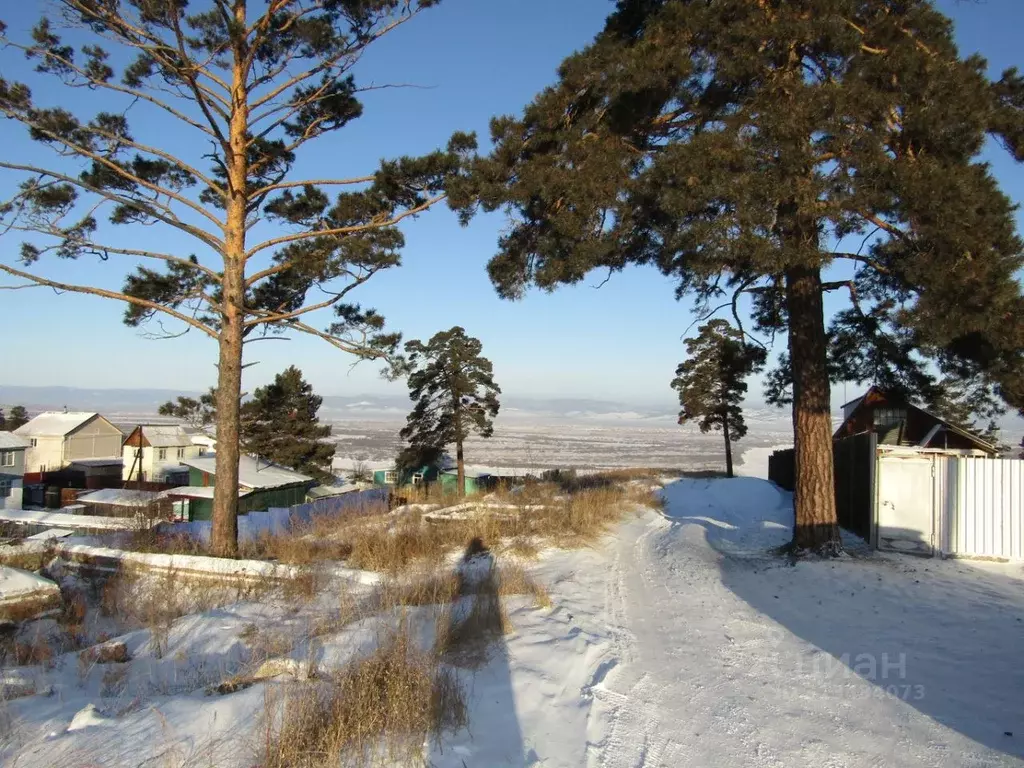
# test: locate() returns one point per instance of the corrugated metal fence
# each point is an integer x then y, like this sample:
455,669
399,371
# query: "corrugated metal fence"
931,503
278,520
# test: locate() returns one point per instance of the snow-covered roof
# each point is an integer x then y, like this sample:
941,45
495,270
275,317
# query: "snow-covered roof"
325,491
192,492
100,461
252,473
122,497
166,435
10,441
475,474
54,423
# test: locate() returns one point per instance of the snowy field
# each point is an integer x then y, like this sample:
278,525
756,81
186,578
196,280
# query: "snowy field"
678,641
583,446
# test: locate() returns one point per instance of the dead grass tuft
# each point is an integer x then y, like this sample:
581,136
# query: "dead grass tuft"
379,710
514,580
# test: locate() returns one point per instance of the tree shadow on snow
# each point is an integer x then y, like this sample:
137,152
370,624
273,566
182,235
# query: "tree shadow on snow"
941,636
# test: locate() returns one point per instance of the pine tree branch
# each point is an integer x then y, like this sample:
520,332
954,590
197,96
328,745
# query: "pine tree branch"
328,64
91,82
135,36
312,182
362,352
336,296
82,151
152,305
170,219
103,251
393,220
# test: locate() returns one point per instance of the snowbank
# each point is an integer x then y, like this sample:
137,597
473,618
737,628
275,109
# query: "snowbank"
739,515
23,593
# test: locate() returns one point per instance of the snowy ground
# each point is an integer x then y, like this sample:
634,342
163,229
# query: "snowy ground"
678,642
683,644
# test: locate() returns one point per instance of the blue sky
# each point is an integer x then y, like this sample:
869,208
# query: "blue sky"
476,59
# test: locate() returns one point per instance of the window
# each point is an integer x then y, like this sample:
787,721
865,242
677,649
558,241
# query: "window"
889,417
138,453
390,476
33,442
5,488
161,454
181,453
417,478
7,458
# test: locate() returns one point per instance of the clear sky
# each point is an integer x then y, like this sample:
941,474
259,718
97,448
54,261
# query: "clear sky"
476,59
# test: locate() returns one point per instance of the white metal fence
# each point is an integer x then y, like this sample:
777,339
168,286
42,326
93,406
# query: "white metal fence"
931,503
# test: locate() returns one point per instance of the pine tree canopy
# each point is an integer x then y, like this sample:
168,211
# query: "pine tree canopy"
16,418
454,389
744,146
712,381
280,424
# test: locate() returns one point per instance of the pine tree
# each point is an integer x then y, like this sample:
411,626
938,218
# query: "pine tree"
230,93
16,418
199,413
455,394
712,381
747,147
280,424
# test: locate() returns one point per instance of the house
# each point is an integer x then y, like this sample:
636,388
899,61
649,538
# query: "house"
56,440
154,452
896,421
261,485
12,469
428,473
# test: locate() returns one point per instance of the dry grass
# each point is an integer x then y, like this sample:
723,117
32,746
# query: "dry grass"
153,600
379,710
514,580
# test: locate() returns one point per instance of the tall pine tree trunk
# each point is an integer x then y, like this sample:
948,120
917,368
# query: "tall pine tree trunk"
461,471
815,526
224,538
728,446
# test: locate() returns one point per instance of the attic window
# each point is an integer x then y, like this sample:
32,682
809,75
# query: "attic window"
889,417
417,478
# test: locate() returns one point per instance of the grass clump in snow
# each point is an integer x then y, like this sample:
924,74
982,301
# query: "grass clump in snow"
377,711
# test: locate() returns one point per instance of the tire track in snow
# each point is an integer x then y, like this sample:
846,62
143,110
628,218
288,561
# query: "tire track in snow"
624,715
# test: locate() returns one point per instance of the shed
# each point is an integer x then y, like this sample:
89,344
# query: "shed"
120,502
475,481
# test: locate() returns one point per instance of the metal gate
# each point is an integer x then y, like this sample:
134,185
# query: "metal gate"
906,504
935,503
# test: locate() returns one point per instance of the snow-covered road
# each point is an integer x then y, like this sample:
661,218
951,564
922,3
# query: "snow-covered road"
682,643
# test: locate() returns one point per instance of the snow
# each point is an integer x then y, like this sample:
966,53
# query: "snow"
10,441
65,520
122,497
54,423
16,585
252,473
678,641
754,461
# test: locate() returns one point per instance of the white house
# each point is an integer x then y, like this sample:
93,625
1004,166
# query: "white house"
12,469
57,439
154,453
